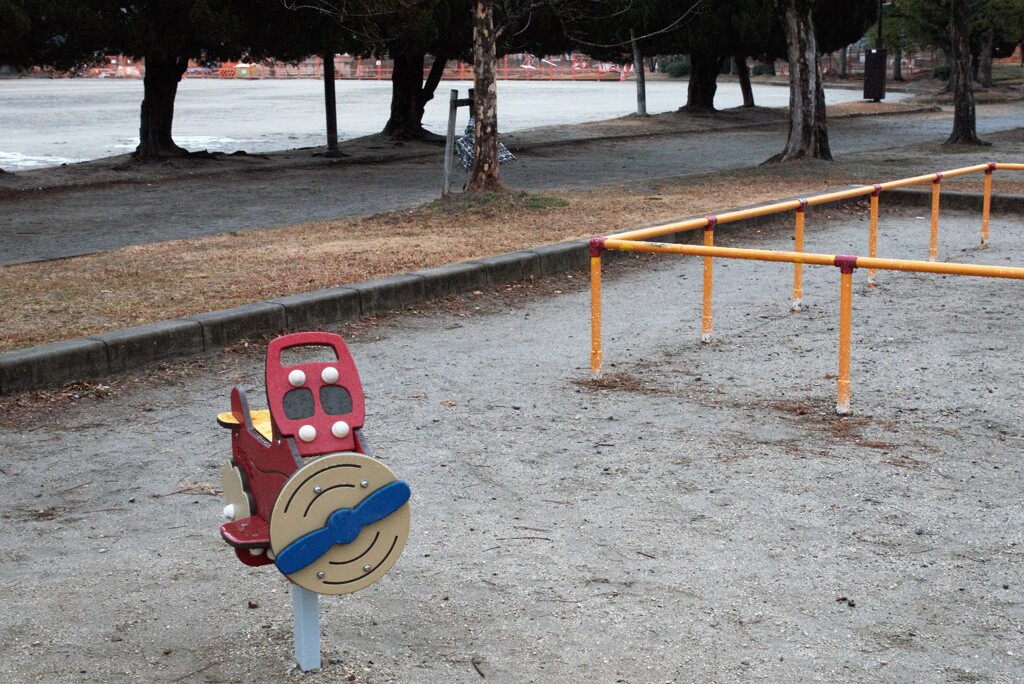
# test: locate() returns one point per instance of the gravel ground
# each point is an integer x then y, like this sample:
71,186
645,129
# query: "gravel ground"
702,517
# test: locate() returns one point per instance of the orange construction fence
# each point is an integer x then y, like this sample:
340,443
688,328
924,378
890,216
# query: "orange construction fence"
636,240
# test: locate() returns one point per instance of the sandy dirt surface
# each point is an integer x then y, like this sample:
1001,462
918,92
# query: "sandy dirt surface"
702,516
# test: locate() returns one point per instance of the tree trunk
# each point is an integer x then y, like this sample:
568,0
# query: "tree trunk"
641,83
844,57
986,42
965,130
406,80
808,129
743,71
700,92
410,95
484,175
160,87
897,64
426,93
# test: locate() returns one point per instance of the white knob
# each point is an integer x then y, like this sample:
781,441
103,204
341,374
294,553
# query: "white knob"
255,552
297,378
307,433
229,512
330,375
340,429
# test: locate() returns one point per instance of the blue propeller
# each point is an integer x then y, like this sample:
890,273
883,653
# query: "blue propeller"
343,526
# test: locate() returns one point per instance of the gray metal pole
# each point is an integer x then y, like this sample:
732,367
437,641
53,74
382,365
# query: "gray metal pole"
449,145
306,628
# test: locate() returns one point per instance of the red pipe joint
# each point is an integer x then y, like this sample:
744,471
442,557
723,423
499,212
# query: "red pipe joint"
712,222
803,205
990,169
938,178
846,264
878,189
597,246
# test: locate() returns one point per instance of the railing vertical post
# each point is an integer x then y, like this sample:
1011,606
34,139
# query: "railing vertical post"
987,205
596,247
846,265
706,315
873,234
933,249
798,246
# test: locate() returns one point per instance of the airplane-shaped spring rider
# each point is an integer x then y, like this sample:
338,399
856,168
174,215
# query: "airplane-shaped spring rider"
302,490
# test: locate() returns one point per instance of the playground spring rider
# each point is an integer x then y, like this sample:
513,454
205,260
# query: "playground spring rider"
301,488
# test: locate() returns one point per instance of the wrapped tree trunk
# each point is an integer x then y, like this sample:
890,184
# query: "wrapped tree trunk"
844,57
965,130
484,175
986,43
808,129
160,87
897,65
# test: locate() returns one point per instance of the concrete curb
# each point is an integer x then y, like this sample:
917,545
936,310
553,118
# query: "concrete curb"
96,356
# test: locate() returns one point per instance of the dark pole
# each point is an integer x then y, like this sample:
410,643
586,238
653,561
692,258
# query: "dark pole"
330,104
878,40
874,66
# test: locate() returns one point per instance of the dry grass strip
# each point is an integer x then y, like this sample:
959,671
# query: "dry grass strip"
62,299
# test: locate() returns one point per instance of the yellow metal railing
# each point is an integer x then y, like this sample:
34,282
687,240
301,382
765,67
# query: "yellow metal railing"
635,240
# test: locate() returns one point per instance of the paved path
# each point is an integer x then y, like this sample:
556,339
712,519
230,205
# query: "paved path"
66,222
